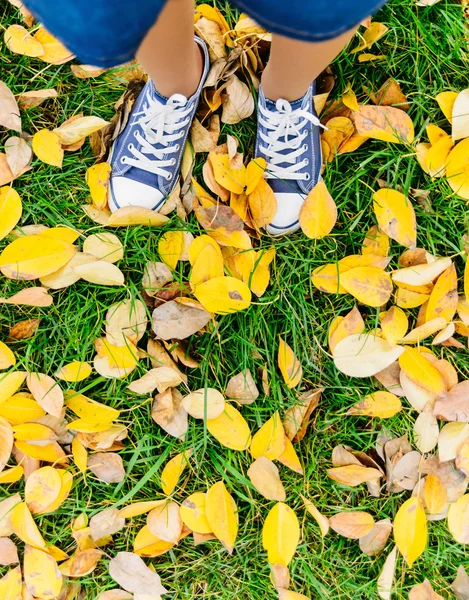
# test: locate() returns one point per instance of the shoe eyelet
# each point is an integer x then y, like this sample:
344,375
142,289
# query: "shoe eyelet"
305,147
307,177
307,162
130,146
123,160
178,147
168,177
135,133
173,161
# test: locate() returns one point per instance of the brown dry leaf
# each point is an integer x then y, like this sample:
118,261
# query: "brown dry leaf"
342,327
296,418
9,111
168,412
115,594
390,94
155,276
86,71
455,405
33,99
242,387
364,355
174,320
424,591
352,525
8,552
205,140
82,563
36,296
374,542
239,104
46,392
105,523
66,275
165,522
460,585
126,320
265,478
160,378
107,467
131,573
18,154
353,475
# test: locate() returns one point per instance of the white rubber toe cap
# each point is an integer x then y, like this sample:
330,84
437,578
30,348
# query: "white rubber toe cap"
286,218
127,192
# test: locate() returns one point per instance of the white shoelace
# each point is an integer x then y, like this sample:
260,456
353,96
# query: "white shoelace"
162,124
285,131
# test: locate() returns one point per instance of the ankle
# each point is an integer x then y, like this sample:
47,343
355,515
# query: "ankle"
182,81
274,89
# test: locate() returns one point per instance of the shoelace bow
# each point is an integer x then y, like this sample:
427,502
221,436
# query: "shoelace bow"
162,124
284,140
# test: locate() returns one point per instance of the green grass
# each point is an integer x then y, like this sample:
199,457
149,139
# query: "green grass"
427,52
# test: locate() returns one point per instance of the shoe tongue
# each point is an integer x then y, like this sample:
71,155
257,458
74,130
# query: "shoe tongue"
154,94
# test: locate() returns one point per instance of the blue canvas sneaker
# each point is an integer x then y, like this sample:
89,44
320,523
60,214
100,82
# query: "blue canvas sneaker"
146,157
288,138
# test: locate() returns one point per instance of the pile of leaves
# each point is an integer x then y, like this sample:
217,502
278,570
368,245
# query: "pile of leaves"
58,437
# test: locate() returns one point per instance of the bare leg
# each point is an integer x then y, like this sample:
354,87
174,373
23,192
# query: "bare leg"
294,65
169,53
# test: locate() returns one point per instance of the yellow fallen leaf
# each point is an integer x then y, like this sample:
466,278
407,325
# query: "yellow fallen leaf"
73,131
458,519
193,513
289,457
10,384
369,285
173,471
269,441
434,494
90,410
327,278
457,169
74,372
199,244
12,475
165,522
421,371
25,528
54,53
372,34
148,545
446,102
19,409
42,489
384,123
367,57
31,257
11,585
136,215
378,404
394,324
230,429
7,358
349,98
170,246
139,508
20,41
80,455
410,530
262,204
208,265
34,432
222,295
376,242
47,147
318,214
320,519
97,178
11,210
221,512
120,357
443,301
51,453
423,274
364,355
280,534
100,272
289,365
284,594
436,158
396,217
